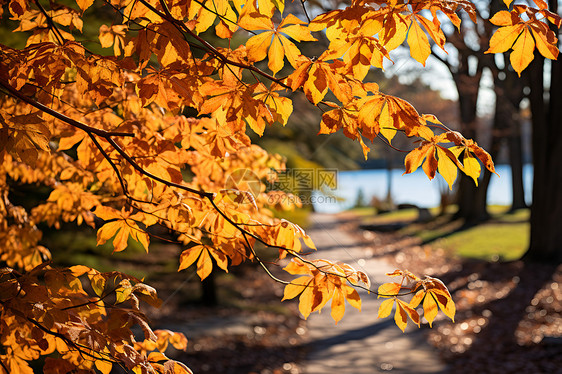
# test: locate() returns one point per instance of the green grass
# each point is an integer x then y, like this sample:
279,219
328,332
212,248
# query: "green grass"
490,241
504,237
299,216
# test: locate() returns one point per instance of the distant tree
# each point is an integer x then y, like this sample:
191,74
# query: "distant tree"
467,65
360,201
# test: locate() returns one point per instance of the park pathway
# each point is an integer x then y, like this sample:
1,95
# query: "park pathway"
361,343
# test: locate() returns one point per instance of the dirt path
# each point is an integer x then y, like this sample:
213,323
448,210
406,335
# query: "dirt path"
361,343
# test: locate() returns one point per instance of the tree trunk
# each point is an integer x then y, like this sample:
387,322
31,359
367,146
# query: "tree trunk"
389,165
507,125
471,200
209,290
516,162
546,210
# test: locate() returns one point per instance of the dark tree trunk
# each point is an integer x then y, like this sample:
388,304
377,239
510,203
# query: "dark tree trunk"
516,162
389,166
546,210
507,125
209,290
471,200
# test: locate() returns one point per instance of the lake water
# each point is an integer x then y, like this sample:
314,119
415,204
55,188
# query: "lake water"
413,188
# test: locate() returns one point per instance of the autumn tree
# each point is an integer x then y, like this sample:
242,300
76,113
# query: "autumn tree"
149,138
467,66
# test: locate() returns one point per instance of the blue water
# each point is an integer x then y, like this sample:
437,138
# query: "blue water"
413,188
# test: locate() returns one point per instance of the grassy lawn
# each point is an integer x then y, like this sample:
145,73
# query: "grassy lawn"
504,237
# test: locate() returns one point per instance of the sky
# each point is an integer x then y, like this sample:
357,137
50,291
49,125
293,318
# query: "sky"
437,76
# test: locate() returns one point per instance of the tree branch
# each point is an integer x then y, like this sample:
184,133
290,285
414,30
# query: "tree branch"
72,122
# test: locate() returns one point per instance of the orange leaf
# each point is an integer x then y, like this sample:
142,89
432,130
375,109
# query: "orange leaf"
84,4
446,166
306,302
546,40
415,157
389,289
419,45
414,316
400,317
338,305
295,288
504,37
430,308
385,308
504,18
522,54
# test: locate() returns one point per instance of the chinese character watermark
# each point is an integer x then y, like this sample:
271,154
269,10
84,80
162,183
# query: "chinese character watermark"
301,185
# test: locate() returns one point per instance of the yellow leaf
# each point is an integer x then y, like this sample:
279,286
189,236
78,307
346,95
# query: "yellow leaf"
423,132
385,308
419,45
430,165
503,38
338,305
297,32
257,46
189,256
415,157
292,53
400,317
481,154
429,308
434,31
471,167
389,289
546,41
276,55
352,297
414,316
450,309
416,300
97,282
79,270
295,288
522,54
308,241
369,111
445,302
84,4
306,301
103,366
431,118
316,86
122,294
446,167
394,31
119,229
107,213
386,123
504,18
220,258
204,264
296,267
268,6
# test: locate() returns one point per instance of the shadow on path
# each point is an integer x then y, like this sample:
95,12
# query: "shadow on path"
356,334
361,343
511,305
